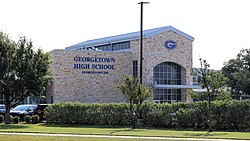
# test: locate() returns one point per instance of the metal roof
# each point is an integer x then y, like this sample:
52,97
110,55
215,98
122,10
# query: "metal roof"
128,37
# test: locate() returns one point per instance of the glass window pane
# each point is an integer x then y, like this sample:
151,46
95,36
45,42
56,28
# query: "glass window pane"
179,97
169,97
167,73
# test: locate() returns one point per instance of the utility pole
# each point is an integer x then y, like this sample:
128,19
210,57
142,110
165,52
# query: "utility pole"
141,39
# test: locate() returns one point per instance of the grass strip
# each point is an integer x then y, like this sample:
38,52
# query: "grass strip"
119,131
53,138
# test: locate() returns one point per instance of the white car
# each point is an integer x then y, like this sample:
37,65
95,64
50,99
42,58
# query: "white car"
2,109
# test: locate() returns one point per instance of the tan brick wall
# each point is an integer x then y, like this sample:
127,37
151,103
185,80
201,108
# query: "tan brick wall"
155,53
71,85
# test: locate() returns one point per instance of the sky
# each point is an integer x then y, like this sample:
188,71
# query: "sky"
220,27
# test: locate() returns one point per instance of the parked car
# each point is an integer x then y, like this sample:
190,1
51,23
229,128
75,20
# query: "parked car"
22,110
40,111
2,109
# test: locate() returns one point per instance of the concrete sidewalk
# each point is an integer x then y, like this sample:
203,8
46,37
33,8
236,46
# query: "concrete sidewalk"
120,137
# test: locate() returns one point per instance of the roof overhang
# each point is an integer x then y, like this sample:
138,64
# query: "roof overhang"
128,37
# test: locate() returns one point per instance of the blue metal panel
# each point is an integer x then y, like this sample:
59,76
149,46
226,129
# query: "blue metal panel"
176,86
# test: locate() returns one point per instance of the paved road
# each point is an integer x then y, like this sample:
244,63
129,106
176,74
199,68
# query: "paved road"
121,137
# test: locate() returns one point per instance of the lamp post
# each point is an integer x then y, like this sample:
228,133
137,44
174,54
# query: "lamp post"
141,39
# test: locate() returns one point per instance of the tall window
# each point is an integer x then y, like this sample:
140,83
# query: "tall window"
108,47
135,68
167,73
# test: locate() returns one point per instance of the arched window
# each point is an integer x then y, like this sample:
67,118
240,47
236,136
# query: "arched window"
167,73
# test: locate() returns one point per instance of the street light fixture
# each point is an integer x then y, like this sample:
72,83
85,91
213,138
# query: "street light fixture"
141,39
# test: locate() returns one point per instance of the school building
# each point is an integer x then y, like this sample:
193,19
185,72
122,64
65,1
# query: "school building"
88,72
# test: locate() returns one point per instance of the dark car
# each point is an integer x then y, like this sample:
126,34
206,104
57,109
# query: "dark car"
2,109
40,111
22,110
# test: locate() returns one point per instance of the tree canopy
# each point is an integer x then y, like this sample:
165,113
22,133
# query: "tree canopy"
238,72
135,94
24,72
213,82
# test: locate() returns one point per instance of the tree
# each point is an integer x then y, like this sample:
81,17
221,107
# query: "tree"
213,82
24,72
238,72
135,94
225,94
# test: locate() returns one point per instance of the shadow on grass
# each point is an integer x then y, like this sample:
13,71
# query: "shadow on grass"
206,134
80,126
12,126
124,130
111,129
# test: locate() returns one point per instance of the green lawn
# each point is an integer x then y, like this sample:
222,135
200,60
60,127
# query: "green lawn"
45,128
45,138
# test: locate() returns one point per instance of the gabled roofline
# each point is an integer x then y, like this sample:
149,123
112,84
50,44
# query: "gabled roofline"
128,37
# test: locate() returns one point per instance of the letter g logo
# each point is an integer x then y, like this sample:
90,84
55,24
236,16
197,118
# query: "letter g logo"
170,44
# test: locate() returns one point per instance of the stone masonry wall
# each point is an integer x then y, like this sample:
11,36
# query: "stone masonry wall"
75,85
155,53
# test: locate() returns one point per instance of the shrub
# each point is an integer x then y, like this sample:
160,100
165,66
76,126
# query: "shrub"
27,119
199,115
35,119
157,115
1,118
225,114
16,119
185,118
11,118
233,115
88,114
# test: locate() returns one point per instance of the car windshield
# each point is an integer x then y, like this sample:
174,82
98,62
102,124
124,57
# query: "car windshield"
24,108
